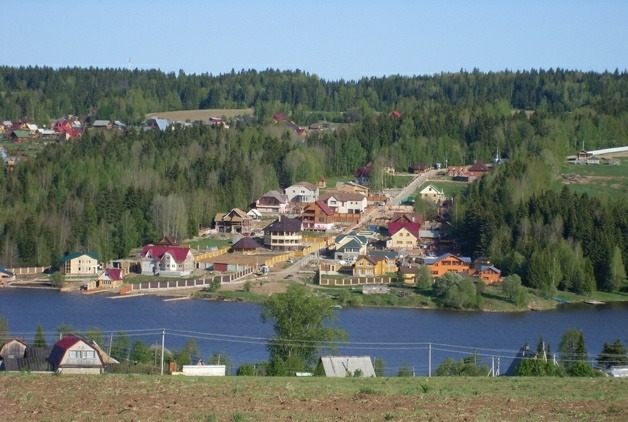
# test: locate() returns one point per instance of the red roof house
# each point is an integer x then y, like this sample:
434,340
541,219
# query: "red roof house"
74,354
167,260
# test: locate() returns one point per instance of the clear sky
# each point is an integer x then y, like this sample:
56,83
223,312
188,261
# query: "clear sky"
332,39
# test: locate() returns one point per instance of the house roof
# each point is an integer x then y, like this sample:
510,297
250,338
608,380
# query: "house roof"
489,268
114,274
100,123
352,244
395,226
162,124
63,345
284,224
343,196
75,255
373,261
169,240
434,260
411,217
341,366
246,243
3,270
21,133
479,166
158,251
323,206
433,188
344,238
307,185
280,197
379,255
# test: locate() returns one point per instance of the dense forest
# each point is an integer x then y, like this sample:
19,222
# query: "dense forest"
111,193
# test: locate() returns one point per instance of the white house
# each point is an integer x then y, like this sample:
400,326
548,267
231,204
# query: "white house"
302,192
166,260
432,193
345,202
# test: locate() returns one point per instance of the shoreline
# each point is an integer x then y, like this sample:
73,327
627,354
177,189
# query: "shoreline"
192,293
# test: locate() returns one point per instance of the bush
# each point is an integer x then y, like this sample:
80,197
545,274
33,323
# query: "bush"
405,371
57,280
246,369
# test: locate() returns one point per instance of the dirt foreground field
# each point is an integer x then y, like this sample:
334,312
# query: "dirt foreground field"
126,397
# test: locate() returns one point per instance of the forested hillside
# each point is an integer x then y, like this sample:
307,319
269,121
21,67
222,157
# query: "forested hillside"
112,193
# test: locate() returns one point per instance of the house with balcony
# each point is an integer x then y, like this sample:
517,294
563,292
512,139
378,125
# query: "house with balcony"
283,234
348,247
318,216
441,265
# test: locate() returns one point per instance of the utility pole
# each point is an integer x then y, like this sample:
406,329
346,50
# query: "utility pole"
110,342
429,359
498,368
493,366
163,341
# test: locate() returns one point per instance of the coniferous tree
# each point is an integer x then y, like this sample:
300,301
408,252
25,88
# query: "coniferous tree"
40,339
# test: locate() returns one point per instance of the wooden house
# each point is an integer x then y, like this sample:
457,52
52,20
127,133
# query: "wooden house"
440,265
246,245
235,221
75,355
318,216
110,278
478,169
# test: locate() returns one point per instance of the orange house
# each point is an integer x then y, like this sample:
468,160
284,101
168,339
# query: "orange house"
439,266
487,273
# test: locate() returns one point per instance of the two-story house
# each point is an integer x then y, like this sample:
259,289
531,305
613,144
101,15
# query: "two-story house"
302,192
403,239
349,246
272,202
318,216
440,265
167,261
345,202
432,193
79,263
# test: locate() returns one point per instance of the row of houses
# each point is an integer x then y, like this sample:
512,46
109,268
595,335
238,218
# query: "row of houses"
71,354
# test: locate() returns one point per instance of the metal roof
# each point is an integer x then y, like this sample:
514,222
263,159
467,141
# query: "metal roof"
342,366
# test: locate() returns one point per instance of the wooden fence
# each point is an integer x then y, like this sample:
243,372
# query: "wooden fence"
211,254
354,281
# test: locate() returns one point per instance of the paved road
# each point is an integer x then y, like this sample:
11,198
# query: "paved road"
413,186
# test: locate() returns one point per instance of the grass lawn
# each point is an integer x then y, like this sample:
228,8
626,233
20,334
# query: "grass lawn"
331,181
450,189
598,180
150,397
398,181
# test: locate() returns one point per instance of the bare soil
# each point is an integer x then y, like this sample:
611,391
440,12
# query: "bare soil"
121,397
192,115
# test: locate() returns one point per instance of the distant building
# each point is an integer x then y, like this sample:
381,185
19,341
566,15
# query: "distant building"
79,263
346,366
283,234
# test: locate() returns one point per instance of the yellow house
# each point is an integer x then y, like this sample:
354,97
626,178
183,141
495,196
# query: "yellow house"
79,263
373,266
403,239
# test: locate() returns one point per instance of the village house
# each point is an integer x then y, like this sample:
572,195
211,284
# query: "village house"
363,174
441,265
318,216
110,278
17,136
108,125
322,182
411,221
345,202
235,221
17,356
432,193
272,202
419,168
374,266
348,247
478,169
302,192
487,273
167,261
75,355
283,234
408,273
155,123
403,239
79,263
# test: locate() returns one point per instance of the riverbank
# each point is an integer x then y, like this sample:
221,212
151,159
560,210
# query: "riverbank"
30,396
492,299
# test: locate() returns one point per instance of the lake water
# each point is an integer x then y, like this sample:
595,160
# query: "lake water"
399,336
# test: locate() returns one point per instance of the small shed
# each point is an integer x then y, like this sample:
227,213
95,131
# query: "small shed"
343,366
245,245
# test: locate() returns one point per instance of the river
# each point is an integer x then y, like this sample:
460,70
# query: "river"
399,336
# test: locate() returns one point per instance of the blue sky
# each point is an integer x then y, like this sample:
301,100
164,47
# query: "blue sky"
332,39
